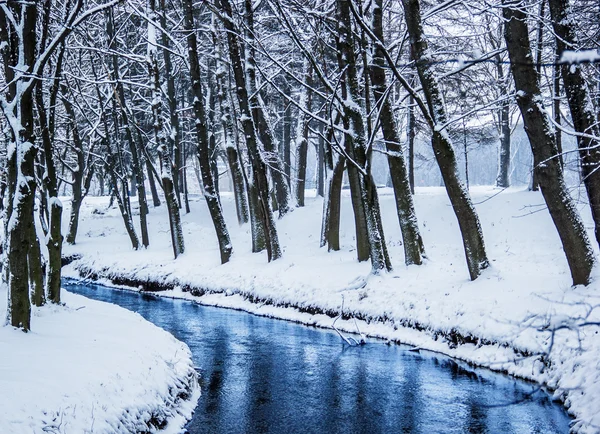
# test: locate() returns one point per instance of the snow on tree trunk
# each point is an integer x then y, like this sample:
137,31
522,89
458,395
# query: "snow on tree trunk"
564,214
460,199
202,137
261,121
413,243
259,169
580,105
369,230
302,137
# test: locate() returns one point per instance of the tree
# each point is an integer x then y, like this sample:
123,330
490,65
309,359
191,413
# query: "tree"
543,144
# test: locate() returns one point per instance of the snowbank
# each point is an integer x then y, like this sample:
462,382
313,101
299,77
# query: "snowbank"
93,367
504,320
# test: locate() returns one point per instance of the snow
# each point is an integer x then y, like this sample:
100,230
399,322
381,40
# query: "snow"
510,319
89,367
584,56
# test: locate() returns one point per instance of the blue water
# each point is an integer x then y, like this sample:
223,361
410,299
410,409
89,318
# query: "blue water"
260,375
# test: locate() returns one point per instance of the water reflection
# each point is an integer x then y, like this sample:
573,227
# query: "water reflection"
267,376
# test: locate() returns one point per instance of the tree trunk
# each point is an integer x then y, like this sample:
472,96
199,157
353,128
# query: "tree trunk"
302,138
413,243
167,164
203,144
263,127
330,226
258,164
137,168
543,145
468,220
411,143
370,235
229,137
287,134
153,190
320,148
581,106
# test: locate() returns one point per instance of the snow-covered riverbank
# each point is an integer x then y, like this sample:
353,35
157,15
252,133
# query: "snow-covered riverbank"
502,320
92,367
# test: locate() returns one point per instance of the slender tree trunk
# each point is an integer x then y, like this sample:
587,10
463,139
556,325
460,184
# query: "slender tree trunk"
411,143
258,164
167,164
581,106
302,138
203,144
538,60
264,129
229,137
362,185
153,190
54,237
137,168
174,138
330,226
468,220
320,151
503,178
413,243
287,134
543,145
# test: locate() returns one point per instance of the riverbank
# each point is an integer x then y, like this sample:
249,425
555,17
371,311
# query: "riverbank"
91,367
503,321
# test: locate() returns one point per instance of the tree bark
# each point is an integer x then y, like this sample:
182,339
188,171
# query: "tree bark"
263,126
466,215
581,106
203,144
302,137
370,236
414,250
259,168
543,145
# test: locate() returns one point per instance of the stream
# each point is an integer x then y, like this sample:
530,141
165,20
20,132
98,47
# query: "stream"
262,375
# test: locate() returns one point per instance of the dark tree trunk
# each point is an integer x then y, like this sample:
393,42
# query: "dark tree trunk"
302,138
54,238
503,177
203,140
151,181
259,169
413,244
543,145
230,138
535,182
330,227
468,220
581,106
137,168
36,270
18,218
174,138
261,122
369,230
411,143
287,134
320,148
77,173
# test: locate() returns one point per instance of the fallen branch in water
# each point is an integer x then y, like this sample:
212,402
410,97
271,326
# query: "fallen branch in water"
349,340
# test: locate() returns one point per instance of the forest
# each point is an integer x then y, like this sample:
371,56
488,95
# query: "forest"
269,105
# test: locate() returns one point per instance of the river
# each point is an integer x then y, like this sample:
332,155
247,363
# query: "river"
261,375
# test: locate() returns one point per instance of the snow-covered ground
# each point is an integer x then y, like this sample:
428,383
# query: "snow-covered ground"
502,320
92,367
